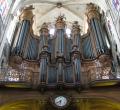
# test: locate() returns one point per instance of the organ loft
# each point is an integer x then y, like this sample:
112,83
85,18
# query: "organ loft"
62,72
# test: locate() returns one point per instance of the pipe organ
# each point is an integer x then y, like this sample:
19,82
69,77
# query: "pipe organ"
63,61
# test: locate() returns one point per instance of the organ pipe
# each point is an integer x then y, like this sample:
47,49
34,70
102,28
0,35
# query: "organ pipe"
68,49
15,38
60,40
32,51
44,34
99,37
77,68
96,28
98,46
60,37
76,51
76,37
60,71
22,36
43,47
25,28
103,36
43,70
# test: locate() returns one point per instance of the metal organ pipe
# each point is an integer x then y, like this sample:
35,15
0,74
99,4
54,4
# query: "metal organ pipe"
91,49
15,37
43,47
60,37
76,42
68,49
35,51
60,41
22,36
90,43
69,75
96,28
76,46
77,67
26,22
32,51
28,51
99,37
92,55
60,72
88,48
76,52
21,29
98,46
44,38
43,70
103,36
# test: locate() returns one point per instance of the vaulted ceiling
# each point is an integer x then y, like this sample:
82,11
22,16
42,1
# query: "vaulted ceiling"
49,10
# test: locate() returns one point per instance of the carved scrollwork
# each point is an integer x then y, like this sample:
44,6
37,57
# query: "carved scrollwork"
92,11
60,23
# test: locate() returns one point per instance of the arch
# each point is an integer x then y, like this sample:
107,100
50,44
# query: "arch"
97,104
78,104
29,104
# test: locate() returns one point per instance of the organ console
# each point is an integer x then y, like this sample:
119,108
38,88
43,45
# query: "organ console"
62,61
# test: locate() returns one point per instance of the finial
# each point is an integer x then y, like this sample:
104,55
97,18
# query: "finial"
44,28
60,23
75,27
27,13
92,11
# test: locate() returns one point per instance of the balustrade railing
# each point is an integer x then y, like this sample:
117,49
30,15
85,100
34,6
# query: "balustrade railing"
101,73
13,75
8,75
